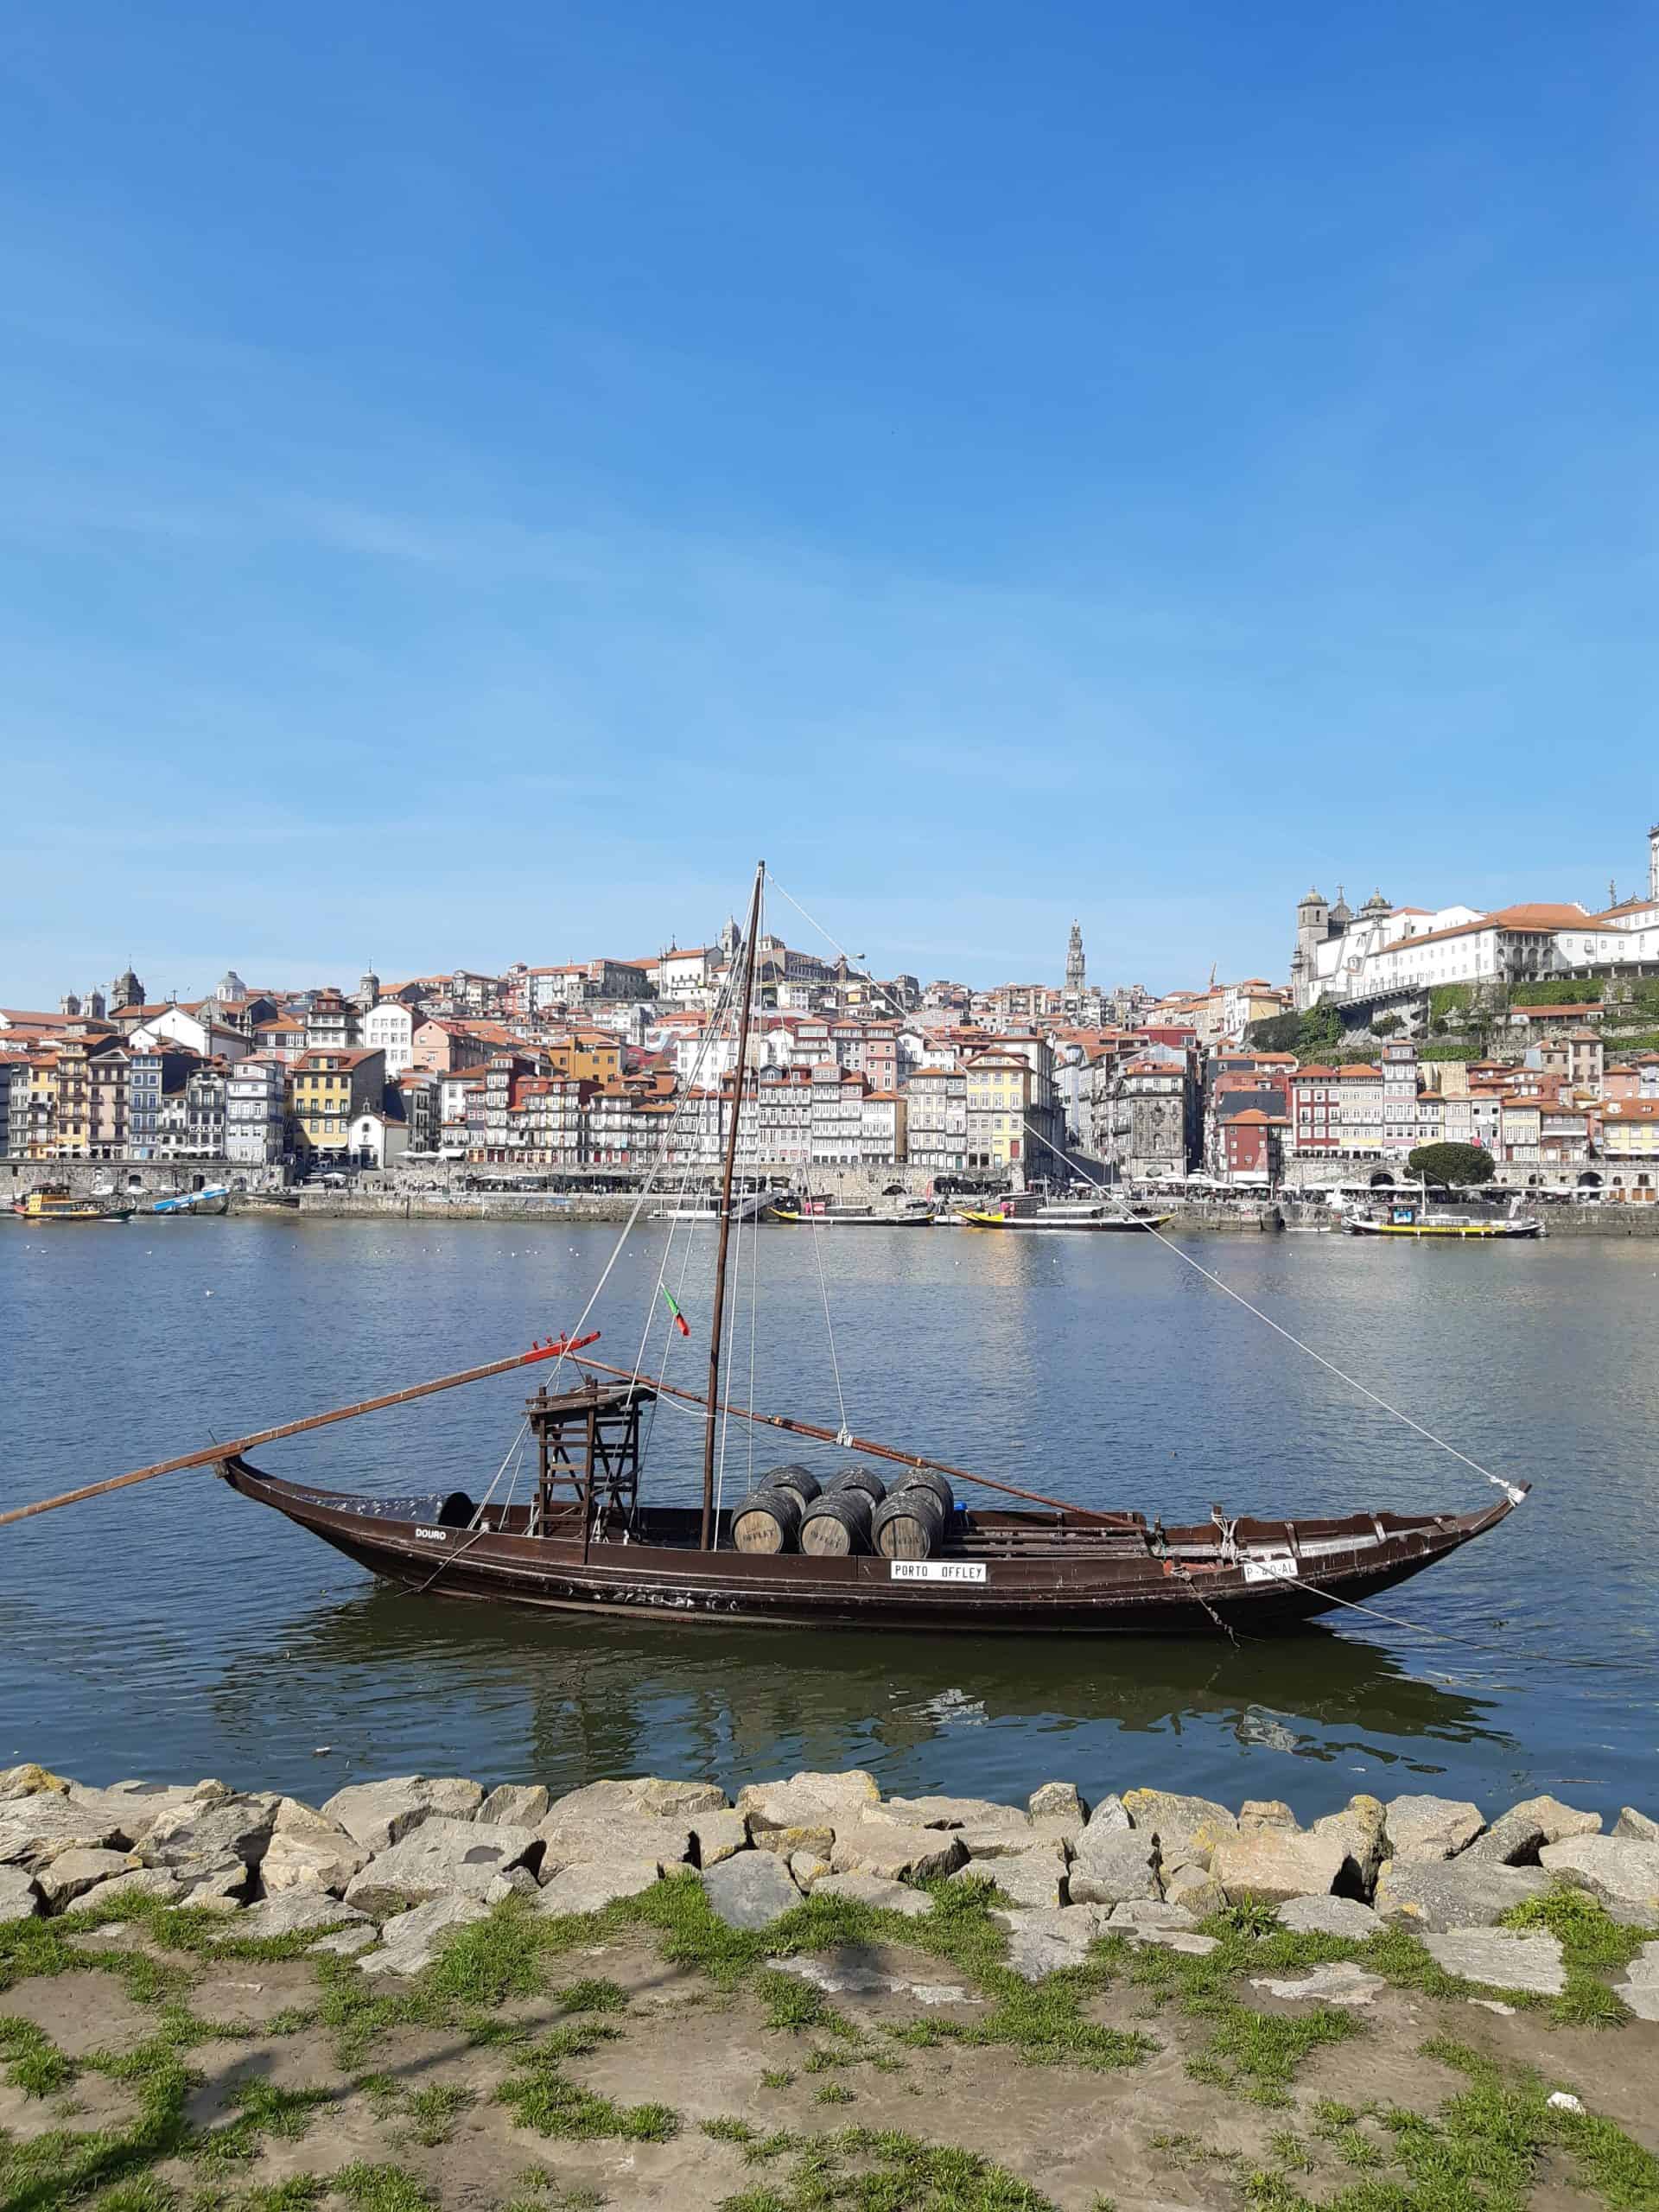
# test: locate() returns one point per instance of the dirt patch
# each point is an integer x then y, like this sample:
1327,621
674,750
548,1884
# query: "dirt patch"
81,2013
251,1996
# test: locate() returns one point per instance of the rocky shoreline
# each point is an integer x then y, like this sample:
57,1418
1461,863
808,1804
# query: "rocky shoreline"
389,1868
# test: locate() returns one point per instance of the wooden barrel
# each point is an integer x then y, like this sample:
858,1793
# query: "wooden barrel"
858,1476
910,1524
837,1524
927,1478
767,1521
801,1480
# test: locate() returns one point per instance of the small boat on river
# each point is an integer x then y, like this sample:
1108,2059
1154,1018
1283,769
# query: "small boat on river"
882,1542
54,1202
1069,1215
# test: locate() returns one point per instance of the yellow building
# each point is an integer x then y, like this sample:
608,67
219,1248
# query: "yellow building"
590,1055
999,1107
327,1088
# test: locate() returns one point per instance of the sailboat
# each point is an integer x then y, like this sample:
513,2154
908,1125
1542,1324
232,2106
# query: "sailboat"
886,1543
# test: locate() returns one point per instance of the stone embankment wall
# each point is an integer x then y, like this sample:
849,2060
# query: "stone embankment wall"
388,1867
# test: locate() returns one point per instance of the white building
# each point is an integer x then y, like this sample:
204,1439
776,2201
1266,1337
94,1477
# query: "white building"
255,1096
199,1031
389,1027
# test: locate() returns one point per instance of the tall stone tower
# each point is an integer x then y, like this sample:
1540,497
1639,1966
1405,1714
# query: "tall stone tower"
1074,967
1312,927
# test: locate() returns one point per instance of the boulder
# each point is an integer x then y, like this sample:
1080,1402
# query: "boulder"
225,1891
1622,1870
1044,1939
986,1830
295,1913
1502,1958
803,1812
716,1835
893,1848
874,1889
588,1888
647,1797
1196,1892
440,1858
36,1829
19,1899
588,1838
1056,1800
308,1850
141,1882
1342,1983
1445,1894
1360,1826
30,1781
136,1806
1266,1813
1518,1837
347,1943
72,1873
1640,1988
1110,1813
1329,1916
1424,1829
1557,1820
1635,1826
1185,1829
200,1841
1032,1877
1112,1867
378,1814
520,1804
413,1940
808,1870
751,1891
1270,1866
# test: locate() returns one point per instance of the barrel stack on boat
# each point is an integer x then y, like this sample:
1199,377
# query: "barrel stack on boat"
854,1514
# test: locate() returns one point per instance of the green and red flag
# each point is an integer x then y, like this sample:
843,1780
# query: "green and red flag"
680,1321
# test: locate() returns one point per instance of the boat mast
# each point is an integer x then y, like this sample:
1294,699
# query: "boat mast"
717,1321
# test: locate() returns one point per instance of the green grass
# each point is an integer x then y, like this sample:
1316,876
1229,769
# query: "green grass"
260,2110
433,2112
540,2094
1594,1945
380,2188
36,2065
878,2170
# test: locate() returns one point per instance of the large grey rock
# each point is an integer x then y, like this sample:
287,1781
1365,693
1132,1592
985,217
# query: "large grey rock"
986,1829
1185,1829
895,1849
1036,1877
803,1812
227,1889
1171,1926
1503,1958
1420,1827
296,1912
590,1838
1444,1894
19,1899
716,1835
520,1804
751,1891
1058,1801
135,1806
32,1781
1196,1889
647,1797
1045,1939
378,1814
1635,1826
72,1873
440,1857
1360,1827
1270,1866
874,1889
1622,1870
199,1841
1342,1983
1558,1821
588,1888
1110,1813
1111,1866
1640,1988
1516,1837
142,1881
413,1939
1328,1916
38,1828
308,1850
1267,1813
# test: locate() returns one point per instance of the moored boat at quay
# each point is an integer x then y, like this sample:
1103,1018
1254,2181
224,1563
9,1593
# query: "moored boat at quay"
54,1202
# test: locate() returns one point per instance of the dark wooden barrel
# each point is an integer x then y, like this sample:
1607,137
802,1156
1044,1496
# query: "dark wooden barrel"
837,1524
910,1524
801,1480
767,1521
926,1478
858,1476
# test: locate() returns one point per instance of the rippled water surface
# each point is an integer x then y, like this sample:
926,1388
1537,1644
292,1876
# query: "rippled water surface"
174,1630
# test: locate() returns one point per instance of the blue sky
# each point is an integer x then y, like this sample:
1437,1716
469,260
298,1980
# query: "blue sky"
470,479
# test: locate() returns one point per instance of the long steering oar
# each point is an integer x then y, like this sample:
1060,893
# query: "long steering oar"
554,1349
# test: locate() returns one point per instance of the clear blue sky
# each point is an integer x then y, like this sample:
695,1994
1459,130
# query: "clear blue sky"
471,477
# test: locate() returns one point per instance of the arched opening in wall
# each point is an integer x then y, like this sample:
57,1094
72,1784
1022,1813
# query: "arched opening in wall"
135,1181
1589,1181
1381,1181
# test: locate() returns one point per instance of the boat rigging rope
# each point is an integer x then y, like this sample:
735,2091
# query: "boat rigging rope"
1514,1492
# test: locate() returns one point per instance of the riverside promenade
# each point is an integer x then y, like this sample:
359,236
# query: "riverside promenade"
643,1994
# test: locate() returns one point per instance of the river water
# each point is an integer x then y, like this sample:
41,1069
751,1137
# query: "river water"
174,1630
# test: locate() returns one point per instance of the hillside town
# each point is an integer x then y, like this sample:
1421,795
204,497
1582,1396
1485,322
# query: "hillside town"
1531,1032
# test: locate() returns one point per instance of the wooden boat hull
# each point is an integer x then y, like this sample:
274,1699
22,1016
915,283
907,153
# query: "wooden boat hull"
1483,1233
1021,1574
1110,1224
790,1220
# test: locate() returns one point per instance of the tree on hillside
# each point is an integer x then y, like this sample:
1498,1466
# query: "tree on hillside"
1452,1163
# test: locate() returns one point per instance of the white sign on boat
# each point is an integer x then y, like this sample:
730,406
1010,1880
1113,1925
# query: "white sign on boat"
1270,1570
939,1570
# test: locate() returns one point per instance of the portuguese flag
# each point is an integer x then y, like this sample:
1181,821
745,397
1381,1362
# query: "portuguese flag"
680,1321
